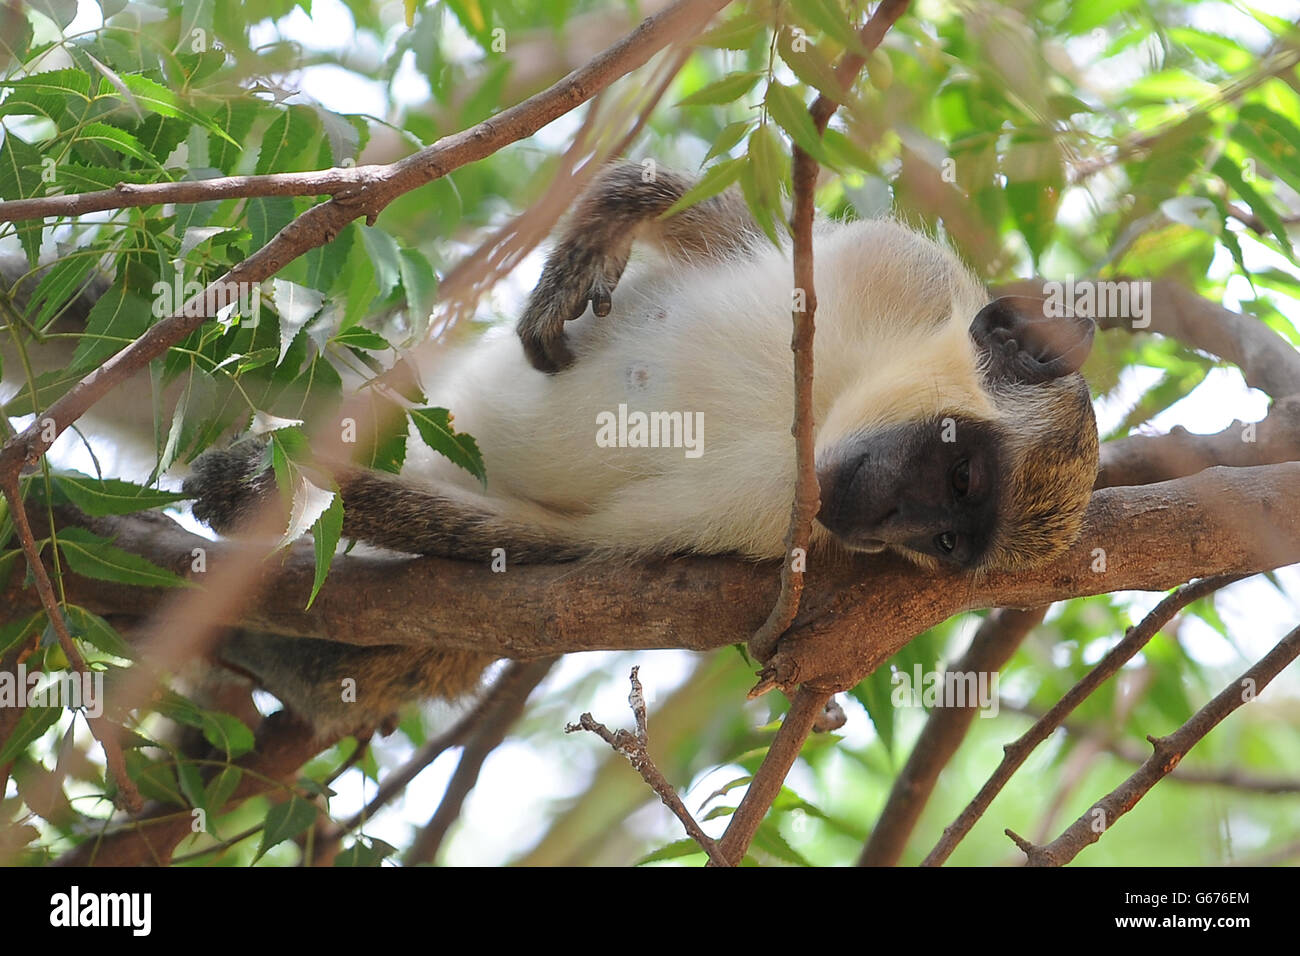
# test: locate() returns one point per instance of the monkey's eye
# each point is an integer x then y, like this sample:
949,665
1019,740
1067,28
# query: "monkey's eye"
946,542
961,478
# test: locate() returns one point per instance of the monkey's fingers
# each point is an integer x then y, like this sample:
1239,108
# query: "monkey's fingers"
541,331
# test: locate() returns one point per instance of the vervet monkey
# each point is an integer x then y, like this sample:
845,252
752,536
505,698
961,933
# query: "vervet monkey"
649,414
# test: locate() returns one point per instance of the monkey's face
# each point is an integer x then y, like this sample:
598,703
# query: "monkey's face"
930,489
968,491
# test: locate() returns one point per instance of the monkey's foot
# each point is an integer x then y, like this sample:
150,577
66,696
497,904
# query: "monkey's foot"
229,484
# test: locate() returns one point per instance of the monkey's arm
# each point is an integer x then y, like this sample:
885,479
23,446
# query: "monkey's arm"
621,206
381,509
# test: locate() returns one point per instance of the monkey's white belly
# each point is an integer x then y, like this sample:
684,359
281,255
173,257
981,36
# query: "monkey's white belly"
706,343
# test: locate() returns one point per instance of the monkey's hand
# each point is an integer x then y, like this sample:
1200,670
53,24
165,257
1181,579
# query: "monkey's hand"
584,268
230,484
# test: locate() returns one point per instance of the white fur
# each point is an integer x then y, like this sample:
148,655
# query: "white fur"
893,310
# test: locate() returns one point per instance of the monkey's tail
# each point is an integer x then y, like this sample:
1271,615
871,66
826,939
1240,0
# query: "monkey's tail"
342,688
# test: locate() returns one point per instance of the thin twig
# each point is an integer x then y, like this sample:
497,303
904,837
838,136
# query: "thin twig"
1166,753
634,746
805,709
992,646
807,494
1017,752
1130,752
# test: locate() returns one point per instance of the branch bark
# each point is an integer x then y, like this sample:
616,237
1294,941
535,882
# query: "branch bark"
1229,521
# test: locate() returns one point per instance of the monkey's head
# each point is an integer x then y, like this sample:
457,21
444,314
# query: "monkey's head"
999,482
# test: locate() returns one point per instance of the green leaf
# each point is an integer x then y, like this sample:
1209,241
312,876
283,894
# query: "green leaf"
1227,170
31,723
156,98
118,318
154,779
673,851
226,732
220,788
726,90
769,839
325,539
786,107
96,631
731,134
69,81
15,632
875,693
715,179
285,142
1272,139
360,338
60,284
117,140
20,178
191,780
827,16
738,33
110,496
435,427
420,285
267,215
362,854
93,557
285,821
813,68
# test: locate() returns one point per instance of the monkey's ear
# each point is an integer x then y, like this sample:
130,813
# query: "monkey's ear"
1025,345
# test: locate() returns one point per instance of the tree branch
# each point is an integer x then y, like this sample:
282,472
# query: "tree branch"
507,701
807,493
1016,753
1166,753
998,637
1229,521
805,708
635,747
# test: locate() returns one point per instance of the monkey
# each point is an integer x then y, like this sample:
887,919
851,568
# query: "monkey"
952,429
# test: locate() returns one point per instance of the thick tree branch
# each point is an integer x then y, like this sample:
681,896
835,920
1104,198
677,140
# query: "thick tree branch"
1145,459
1228,521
